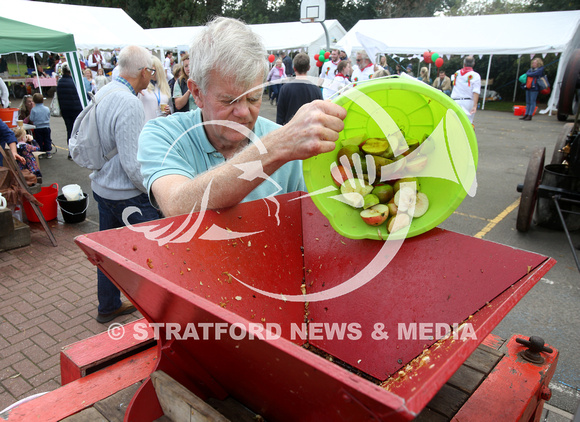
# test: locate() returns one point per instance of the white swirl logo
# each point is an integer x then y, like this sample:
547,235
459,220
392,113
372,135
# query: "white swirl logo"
116,331
449,157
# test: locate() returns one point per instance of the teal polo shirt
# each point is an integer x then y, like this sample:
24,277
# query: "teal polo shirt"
178,144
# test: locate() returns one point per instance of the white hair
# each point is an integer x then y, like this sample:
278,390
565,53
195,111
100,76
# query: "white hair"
132,59
231,48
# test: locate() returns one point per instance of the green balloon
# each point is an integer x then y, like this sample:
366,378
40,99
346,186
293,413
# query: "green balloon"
523,78
322,53
434,57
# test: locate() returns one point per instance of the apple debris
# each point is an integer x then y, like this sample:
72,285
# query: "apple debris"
353,192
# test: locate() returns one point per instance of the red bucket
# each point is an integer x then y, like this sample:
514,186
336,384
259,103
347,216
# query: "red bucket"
9,116
47,196
520,110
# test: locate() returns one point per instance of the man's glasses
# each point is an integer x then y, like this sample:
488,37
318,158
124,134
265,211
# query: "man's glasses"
149,69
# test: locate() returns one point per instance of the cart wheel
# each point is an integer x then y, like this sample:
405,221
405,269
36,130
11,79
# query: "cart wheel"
569,87
558,156
530,190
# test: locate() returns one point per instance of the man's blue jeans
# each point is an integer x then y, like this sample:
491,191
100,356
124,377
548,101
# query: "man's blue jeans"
110,212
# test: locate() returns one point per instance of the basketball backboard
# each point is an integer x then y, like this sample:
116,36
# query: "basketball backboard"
312,11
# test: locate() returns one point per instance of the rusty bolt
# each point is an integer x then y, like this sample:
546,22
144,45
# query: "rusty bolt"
545,393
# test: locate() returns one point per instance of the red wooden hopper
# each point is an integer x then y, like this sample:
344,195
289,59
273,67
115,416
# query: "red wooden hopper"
440,277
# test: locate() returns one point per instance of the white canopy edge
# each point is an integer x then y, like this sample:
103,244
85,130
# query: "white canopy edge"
517,34
275,36
103,27
283,36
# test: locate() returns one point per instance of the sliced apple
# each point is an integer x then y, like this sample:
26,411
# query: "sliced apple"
405,198
417,164
398,222
397,184
353,192
340,173
375,146
421,205
376,215
370,200
393,209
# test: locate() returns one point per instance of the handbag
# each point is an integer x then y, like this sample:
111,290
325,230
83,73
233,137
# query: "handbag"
55,107
544,85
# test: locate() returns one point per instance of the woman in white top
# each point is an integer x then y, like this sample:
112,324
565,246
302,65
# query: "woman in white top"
343,72
101,80
156,98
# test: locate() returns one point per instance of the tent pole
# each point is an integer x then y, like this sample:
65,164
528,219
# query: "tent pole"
327,36
17,65
36,70
486,82
517,79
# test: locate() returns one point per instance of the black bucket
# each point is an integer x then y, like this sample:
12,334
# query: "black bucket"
73,211
558,176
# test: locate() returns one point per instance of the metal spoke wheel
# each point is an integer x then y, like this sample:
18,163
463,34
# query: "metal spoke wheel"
558,155
530,190
568,101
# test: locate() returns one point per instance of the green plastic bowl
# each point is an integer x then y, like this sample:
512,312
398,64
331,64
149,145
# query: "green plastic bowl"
418,109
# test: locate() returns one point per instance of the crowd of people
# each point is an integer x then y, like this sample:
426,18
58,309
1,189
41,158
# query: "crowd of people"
197,112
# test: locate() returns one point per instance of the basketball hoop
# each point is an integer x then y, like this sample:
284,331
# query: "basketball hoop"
312,11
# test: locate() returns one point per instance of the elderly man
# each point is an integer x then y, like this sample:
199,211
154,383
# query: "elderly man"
364,69
96,61
213,146
119,184
467,87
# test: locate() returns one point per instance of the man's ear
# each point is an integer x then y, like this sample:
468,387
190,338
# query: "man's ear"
196,92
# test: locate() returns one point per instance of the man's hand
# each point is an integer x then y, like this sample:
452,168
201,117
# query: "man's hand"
313,130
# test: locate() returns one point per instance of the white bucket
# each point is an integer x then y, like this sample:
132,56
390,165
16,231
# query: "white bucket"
72,192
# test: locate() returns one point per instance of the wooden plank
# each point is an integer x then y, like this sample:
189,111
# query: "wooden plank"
448,401
10,162
180,404
163,419
113,408
85,392
233,410
86,356
466,379
428,415
88,415
483,359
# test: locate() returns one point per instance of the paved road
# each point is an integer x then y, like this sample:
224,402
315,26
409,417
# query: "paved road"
506,143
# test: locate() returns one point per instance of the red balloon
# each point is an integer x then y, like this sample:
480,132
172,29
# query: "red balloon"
319,63
327,55
427,57
271,58
316,56
439,62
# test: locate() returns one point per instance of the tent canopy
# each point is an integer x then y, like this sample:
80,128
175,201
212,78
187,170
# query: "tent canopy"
103,27
275,36
284,36
533,33
20,37
519,33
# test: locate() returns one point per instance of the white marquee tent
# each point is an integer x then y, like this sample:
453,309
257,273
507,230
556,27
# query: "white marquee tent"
517,34
286,36
103,27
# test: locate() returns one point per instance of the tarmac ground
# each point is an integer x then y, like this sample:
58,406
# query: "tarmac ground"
49,293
